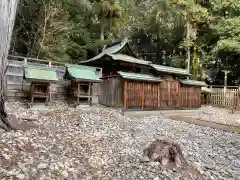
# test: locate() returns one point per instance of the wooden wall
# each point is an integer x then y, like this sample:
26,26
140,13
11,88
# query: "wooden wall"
141,95
190,97
130,94
164,95
111,92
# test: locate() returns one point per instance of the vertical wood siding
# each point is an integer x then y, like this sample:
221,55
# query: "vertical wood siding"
147,95
111,92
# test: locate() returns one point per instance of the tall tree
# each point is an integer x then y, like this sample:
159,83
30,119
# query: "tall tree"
8,12
108,13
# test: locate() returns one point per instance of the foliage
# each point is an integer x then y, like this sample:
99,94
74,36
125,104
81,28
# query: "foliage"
160,31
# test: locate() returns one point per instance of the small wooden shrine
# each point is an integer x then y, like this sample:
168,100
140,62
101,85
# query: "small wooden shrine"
40,82
83,81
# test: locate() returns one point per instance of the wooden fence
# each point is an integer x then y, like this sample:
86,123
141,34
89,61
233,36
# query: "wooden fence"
17,87
222,98
131,94
167,94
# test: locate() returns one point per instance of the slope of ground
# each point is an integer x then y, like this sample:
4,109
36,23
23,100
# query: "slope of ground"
100,143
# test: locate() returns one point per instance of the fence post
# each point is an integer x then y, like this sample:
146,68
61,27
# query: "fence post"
50,64
25,61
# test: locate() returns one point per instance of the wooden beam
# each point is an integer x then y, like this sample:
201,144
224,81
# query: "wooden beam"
90,93
158,94
50,93
125,95
31,92
78,85
142,94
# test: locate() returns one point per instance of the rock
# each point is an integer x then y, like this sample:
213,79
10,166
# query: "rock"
6,157
20,176
156,178
65,174
12,172
99,143
42,166
212,177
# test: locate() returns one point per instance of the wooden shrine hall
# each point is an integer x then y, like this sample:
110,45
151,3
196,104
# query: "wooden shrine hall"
132,83
40,82
83,83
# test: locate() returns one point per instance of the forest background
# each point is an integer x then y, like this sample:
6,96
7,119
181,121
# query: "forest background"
167,32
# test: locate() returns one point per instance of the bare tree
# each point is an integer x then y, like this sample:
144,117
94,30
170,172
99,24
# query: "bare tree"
7,17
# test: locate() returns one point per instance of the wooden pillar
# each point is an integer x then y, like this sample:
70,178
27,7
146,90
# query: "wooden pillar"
90,93
25,61
50,93
125,96
78,92
31,92
142,94
158,94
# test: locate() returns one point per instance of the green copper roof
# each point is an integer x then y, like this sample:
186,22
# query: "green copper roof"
112,53
170,70
84,73
119,57
126,58
193,82
40,74
139,77
115,47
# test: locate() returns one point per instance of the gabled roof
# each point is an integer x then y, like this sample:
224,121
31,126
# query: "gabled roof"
170,70
193,82
119,57
115,47
126,58
139,77
113,51
40,74
82,73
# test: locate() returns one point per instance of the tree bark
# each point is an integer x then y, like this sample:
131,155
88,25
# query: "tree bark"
8,12
102,27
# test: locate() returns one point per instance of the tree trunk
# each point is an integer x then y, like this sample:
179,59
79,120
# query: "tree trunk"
102,28
188,48
8,12
195,63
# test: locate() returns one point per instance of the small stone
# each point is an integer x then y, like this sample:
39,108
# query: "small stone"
156,178
20,176
65,174
212,177
230,157
154,164
51,167
42,166
12,172
6,157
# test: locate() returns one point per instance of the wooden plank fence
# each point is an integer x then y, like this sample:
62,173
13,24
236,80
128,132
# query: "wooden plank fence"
228,98
164,95
17,87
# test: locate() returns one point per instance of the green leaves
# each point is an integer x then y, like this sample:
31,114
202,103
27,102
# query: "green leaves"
227,45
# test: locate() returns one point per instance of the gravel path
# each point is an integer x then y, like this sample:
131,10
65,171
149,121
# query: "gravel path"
99,143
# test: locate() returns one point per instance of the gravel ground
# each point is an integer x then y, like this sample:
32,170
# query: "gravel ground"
219,115
99,143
